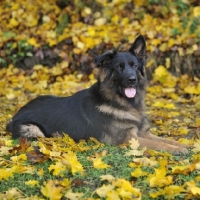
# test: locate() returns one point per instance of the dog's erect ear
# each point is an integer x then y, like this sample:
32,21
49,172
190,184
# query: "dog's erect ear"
138,48
103,59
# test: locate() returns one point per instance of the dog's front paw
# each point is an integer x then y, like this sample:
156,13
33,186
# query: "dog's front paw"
179,151
187,146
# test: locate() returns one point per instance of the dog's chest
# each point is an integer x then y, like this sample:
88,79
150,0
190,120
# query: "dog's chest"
118,123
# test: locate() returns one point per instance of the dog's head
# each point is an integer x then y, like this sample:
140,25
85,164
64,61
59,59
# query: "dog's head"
124,69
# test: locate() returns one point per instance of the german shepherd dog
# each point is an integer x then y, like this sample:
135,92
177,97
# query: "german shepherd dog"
112,110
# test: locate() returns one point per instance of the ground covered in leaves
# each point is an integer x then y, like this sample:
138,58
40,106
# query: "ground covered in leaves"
58,168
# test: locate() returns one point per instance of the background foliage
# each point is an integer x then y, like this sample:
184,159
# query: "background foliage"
47,32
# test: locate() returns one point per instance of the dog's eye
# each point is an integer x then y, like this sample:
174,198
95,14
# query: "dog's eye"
133,65
120,66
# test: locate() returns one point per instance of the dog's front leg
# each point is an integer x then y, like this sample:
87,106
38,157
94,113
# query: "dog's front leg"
154,144
172,142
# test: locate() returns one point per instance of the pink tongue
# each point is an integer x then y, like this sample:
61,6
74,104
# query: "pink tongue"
130,92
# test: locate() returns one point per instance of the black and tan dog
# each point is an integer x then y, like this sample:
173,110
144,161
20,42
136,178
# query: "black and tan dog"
112,110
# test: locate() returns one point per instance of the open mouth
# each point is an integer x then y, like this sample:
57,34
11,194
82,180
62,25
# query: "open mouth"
128,92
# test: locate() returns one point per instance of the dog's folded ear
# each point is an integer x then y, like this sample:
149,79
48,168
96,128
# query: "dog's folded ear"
138,48
103,59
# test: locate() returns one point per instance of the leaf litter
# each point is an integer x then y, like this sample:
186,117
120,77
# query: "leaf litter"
91,170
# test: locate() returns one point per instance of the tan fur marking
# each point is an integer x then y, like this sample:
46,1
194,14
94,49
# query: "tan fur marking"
159,144
102,75
30,130
118,114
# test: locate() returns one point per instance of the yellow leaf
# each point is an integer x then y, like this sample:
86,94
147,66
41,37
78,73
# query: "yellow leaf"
58,169
197,121
196,11
150,63
9,142
183,130
75,165
77,51
171,42
100,21
195,190
51,191
126,190
185,141
91,77
190,184
19,158
145,161
134,144
31,20
40,172
197,146
139,3
4,150
197,178
86,11
99,164
173,190
46,19
157,193
163,47
195,46
169,191
157,153
159,179
155,41
160,172
160,182
33,42
160,74
32,183
10,96
124,194
163,105
192,89
97,143
136,152
55,153
6,173
181,51
13,23
183,169
138,172
80,45
66,183
174,113
112,195
73,196
13,193
107,177
103,190
167,63
170,106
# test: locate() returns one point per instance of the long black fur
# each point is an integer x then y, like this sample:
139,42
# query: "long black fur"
80,115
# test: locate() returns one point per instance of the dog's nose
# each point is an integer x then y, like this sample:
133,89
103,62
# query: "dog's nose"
132,80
